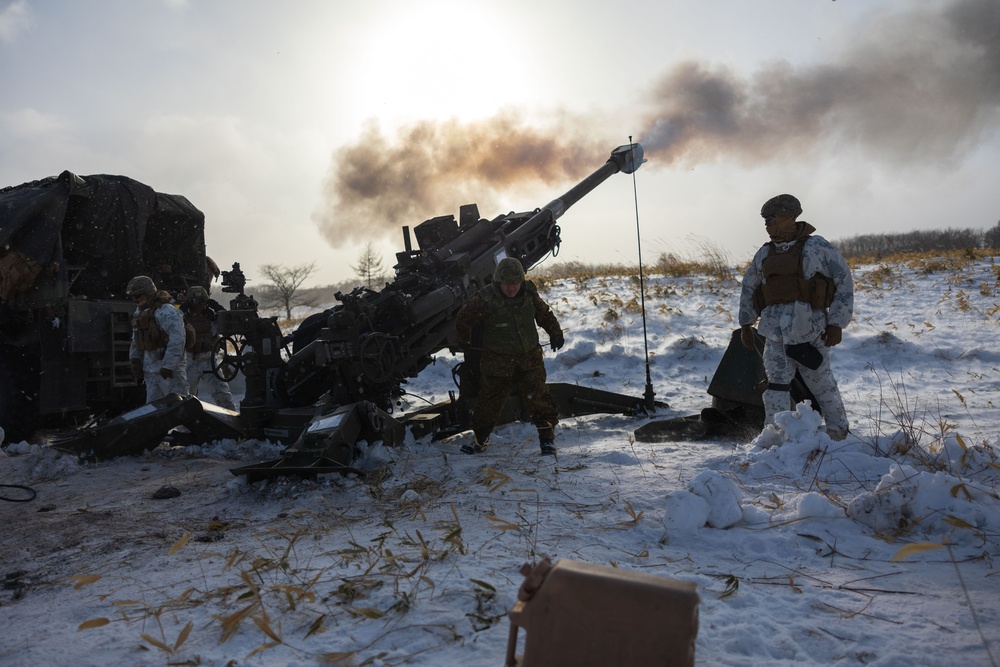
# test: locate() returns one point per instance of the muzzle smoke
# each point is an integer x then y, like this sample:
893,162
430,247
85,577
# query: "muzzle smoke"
432,168
914,88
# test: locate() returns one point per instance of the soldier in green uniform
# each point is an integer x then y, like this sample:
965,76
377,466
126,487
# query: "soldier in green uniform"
507,310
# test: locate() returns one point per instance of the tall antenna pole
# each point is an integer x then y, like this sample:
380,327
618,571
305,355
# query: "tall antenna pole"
648,400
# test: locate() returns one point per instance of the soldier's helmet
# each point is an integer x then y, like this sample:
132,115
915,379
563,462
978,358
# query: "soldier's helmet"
141,285
197,295
509,272
781,206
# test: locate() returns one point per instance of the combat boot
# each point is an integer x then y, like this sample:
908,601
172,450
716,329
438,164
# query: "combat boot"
475,447
837,434
548,446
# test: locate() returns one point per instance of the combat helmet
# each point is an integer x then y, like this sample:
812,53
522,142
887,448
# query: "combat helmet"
197,295
141,285
781,206
509,272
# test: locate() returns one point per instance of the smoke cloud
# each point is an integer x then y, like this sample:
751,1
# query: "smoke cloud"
917,88
920,87
432,168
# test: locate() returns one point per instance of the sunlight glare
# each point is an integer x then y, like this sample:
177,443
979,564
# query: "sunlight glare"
443,59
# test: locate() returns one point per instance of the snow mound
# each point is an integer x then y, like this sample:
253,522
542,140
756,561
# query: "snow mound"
37,463
722,495
685,513
933,502
929,493
246,450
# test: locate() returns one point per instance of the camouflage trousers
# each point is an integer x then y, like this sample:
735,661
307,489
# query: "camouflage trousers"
781,371
199,367
525,376
157,386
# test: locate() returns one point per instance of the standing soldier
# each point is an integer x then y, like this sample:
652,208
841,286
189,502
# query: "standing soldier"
507,310
158,337
200,311
801,288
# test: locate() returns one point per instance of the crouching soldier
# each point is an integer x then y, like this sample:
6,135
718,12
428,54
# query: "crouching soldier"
158,337
507,310
801,288
200,312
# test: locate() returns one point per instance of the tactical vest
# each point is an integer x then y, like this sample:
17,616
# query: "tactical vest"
148,334
510,328
784,280
201,326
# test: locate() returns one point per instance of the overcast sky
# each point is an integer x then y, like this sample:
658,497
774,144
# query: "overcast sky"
304,129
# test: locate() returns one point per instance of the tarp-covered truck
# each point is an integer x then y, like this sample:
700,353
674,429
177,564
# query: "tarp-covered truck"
68,246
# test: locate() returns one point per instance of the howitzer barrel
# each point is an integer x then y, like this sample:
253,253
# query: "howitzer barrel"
625,158
364,347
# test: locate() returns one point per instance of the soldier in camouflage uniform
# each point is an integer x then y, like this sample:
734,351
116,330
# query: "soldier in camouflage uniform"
200,312
507,310
801,288
157,350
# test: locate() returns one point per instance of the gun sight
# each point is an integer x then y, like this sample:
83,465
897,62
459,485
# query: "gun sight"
234,281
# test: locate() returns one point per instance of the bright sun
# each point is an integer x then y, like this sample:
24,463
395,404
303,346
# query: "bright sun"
441,60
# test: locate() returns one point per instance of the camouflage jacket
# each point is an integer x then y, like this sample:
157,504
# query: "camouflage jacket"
798,321
508,324
158,335
203,321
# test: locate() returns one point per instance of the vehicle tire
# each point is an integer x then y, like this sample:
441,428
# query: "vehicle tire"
18,394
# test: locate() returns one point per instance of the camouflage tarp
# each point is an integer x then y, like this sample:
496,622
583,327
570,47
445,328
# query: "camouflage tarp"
96,232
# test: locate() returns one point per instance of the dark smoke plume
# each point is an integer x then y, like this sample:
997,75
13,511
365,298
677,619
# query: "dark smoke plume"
918,88
914,88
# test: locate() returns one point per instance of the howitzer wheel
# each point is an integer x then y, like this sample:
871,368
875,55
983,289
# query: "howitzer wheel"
378,357
227,358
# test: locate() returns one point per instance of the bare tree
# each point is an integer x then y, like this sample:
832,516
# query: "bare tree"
285,283
991,239
928,240
369,266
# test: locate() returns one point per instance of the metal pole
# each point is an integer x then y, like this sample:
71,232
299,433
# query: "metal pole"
649,394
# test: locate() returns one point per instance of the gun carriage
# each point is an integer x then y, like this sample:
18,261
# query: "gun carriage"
336,379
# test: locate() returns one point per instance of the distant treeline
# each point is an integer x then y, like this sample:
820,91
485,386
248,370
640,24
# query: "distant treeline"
877,246
710,259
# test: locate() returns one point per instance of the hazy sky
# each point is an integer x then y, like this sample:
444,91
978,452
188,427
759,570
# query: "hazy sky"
304,129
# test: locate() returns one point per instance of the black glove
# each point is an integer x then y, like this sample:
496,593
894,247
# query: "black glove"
166,373
557,340
136,370
833,335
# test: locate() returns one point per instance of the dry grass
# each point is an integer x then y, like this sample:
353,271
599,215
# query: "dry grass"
709,260
927,261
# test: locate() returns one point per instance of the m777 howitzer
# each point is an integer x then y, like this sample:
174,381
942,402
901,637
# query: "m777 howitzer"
352,360
347,365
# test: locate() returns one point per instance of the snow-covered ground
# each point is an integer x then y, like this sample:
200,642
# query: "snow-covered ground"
878,550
